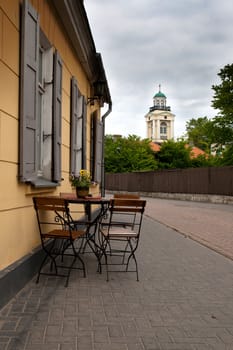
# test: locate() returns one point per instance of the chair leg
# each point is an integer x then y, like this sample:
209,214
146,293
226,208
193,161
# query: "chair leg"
79,258
89,236
61,251
69,271
83,265
103,253
132,255
106,263
75,257
40,268
48,255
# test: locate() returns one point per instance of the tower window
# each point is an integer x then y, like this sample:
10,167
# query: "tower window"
163,128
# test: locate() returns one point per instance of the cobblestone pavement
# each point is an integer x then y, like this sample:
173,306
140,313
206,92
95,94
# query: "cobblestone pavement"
183,301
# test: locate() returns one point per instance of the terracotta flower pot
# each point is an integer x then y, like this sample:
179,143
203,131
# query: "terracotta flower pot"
82,192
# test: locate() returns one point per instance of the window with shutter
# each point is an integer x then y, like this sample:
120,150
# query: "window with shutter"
40,105
96,148
78,130
57,99
28,92
98,151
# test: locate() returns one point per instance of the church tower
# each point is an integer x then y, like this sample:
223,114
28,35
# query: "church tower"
160,120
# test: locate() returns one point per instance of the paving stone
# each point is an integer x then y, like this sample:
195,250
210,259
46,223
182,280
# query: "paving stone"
9,326
3,346
42,347
182,301
17,342
101,335
150,343
112,346
115,331
68,347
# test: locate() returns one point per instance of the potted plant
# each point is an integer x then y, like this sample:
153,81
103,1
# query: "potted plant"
81,182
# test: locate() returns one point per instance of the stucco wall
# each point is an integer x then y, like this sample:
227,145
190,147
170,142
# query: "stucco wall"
18,231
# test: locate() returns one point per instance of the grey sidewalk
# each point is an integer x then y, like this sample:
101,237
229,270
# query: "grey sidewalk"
184,300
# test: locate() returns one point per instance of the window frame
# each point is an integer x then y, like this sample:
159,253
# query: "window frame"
78,115
163,128
96,148
31,38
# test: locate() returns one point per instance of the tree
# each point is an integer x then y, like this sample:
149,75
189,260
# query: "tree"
223,101
227,157
173,155
203,161
128,154
200,133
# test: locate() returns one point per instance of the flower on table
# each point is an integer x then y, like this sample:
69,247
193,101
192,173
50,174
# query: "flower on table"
83,179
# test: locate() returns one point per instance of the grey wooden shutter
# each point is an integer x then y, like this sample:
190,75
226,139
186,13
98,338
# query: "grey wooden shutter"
80,129
75,133
84,136
98,151
77,129
73,125
92,155
28,92
57,117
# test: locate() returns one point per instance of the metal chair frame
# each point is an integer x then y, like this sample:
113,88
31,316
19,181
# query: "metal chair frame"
58,235
125,231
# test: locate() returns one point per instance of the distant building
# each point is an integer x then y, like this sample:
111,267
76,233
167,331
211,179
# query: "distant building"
194,152
160,120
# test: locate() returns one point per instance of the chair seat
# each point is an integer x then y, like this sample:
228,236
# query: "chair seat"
64,234
119,232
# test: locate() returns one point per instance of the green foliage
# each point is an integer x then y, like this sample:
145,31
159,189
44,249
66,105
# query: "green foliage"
227,156
133,154
223,93
202,161
128,154
200,133
203,132
223,101
173,155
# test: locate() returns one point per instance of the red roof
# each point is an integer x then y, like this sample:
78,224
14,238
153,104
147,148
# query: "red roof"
155,147
195,151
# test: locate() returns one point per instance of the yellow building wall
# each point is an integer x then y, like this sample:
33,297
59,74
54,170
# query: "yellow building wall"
19,233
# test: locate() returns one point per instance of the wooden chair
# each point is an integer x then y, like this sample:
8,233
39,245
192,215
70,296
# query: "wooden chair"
127,196
119,237
58,235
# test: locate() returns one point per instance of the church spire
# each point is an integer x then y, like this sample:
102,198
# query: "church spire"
160,119
159,100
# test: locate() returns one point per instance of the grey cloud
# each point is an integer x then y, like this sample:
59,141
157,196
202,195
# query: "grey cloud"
181,44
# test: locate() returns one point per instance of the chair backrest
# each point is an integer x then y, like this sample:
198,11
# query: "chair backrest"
131,212
52,211
50,203
127,205
126,196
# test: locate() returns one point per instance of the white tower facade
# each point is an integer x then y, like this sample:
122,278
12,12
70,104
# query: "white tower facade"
160,120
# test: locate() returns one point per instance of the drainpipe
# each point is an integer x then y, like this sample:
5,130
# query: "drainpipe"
102,160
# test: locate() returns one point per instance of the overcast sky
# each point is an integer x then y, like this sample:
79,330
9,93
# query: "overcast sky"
180,44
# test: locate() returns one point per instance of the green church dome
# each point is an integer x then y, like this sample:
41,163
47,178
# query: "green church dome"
159,94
